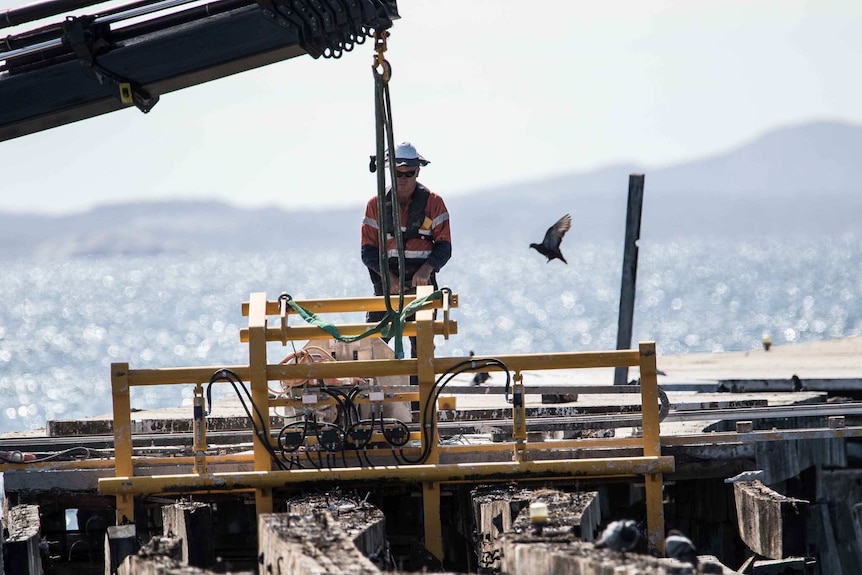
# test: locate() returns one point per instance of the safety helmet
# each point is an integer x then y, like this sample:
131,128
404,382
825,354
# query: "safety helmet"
406,155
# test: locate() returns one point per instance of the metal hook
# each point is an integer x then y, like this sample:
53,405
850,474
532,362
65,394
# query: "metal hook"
379,60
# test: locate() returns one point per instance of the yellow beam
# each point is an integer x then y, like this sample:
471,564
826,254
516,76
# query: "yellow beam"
304,332
347,304
610,466
719,438
215,459
383,367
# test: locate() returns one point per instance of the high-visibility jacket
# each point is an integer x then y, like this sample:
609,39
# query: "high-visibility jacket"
426,239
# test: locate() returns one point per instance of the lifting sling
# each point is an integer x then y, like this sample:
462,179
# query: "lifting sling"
392,324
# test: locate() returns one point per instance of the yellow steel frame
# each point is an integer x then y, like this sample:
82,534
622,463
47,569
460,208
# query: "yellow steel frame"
262,480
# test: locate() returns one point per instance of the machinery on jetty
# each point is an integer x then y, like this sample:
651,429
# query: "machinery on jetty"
341,434
379,449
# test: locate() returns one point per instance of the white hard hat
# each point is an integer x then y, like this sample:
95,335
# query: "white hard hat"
406,155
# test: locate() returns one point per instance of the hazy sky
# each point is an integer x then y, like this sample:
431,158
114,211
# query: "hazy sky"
490,91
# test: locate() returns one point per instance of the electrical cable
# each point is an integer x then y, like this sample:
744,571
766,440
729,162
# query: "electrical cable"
18,456
470,365
231,377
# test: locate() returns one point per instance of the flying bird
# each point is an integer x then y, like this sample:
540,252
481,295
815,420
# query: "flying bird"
619,535
680,547
550,246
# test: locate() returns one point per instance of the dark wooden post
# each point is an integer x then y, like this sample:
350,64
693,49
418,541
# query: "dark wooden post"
192,523
630,270
120,542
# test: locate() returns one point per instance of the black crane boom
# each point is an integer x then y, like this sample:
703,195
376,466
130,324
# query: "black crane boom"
130,55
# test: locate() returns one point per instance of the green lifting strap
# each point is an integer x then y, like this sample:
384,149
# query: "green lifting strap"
384,135
391,326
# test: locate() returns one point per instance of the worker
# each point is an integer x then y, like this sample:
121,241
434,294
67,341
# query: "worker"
424,228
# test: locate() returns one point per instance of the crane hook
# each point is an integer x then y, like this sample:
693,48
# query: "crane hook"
381,65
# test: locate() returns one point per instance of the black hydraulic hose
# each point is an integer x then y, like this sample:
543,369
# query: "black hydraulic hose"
150,26
178,18
351,396
49,8
340,405
31,37
345,402
473,364
231,377
39,10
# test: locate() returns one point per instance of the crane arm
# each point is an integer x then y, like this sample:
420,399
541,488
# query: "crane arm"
130,55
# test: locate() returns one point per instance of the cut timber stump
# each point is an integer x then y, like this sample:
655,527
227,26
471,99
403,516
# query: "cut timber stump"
772,525
192,524
21,548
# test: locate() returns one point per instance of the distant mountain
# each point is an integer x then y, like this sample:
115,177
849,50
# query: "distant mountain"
789,182
168,227
819,158
792,181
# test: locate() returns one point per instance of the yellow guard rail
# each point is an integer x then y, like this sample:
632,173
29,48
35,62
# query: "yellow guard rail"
263,479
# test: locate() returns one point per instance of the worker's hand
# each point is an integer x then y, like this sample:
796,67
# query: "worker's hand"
394,284
422,276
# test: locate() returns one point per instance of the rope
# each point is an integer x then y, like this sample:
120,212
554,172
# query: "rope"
384,138
391,324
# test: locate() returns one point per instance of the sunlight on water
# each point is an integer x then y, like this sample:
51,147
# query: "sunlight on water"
63,324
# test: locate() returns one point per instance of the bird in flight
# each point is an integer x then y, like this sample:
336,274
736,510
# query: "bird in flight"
550,246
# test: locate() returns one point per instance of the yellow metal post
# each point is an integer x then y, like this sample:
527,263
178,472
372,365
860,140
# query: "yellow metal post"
259,392
433,524
425,373
519,418
122,405
425,370
199,424
652,445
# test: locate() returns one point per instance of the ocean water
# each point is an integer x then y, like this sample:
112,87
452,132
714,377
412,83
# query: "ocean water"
62,323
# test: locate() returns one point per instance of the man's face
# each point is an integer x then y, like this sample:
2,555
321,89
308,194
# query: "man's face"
405,181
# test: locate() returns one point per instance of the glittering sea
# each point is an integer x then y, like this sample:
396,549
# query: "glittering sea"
63,323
